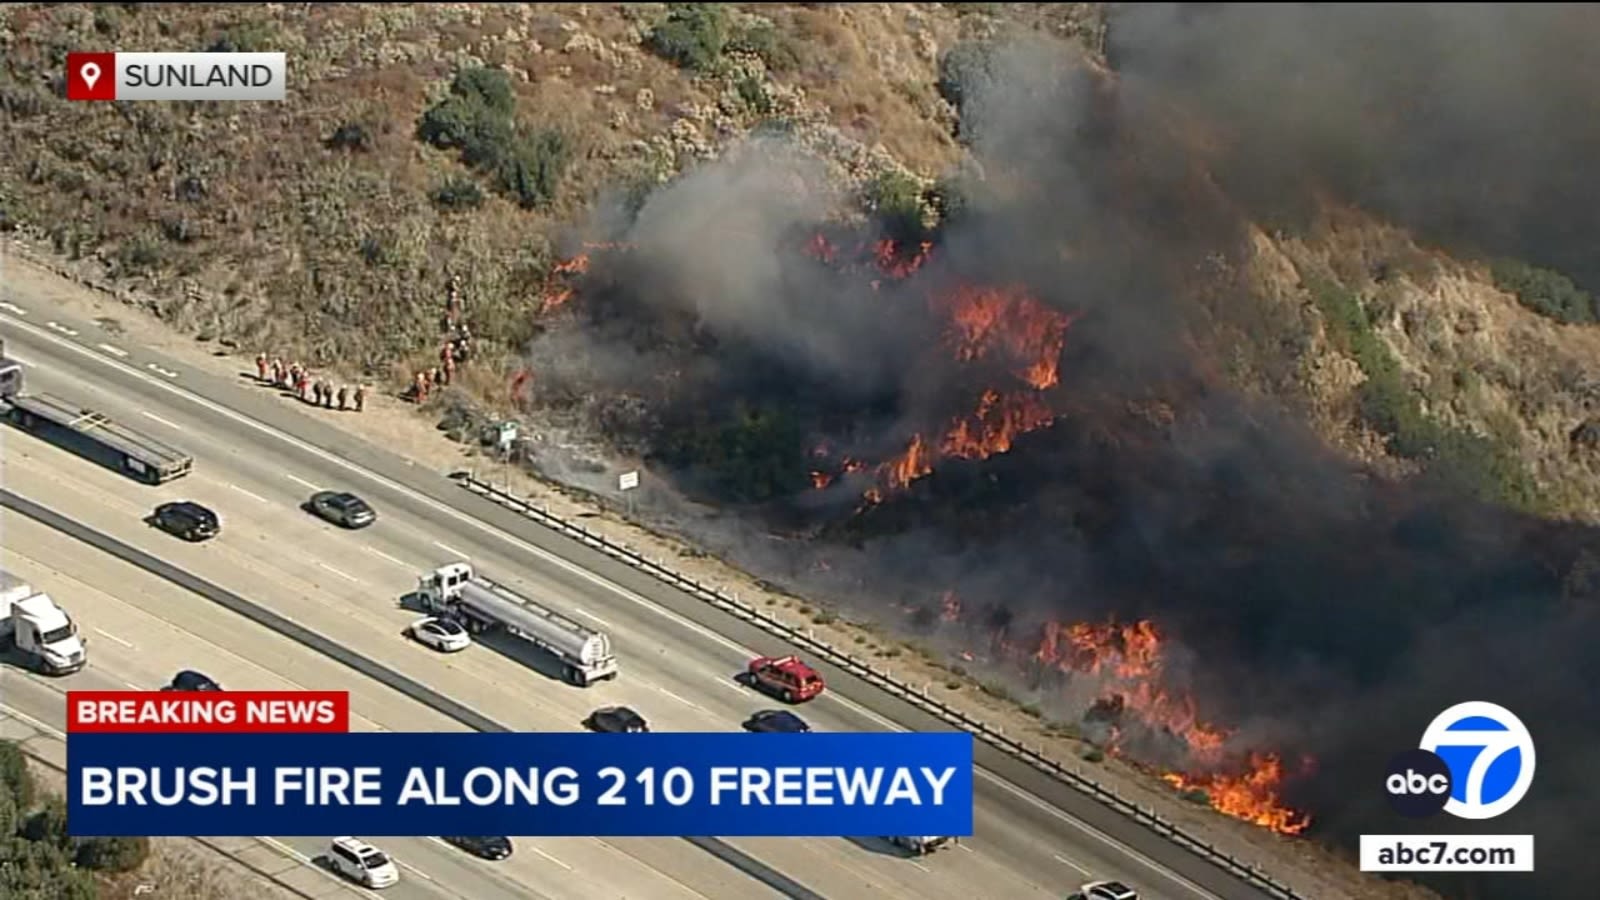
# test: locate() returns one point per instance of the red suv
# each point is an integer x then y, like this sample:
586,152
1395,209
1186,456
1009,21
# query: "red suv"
785,677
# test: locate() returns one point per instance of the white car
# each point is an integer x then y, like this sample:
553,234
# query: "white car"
1106,890
362,863
444,635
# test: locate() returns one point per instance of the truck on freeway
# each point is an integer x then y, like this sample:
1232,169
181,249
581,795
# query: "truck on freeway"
481,605
130,451
39,629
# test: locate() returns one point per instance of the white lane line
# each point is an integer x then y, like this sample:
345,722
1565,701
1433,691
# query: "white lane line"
920,866
451,550
964,847
1067,862
150,415
297,479
251,494
579,571
13,308
730,685
108,635
551,858
137,687
591,617
379,553
160,371
1095,833
114,351
678,698
414,870
57,326
337,572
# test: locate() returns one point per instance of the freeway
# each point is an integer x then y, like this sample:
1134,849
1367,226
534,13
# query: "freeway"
676,670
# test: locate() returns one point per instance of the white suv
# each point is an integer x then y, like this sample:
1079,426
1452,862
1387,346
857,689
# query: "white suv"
1105,890
362,863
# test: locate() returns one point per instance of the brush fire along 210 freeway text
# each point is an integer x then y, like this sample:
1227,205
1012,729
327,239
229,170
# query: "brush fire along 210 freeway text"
292,780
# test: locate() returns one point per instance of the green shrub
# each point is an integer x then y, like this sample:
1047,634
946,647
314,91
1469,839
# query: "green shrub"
824,618
961,68
692,36
778,51
755,98
457,194
1545,292
112,854
246,37
532,172
48,823
14,778
952,685
350,136
1197,796
896,199
477,119
1094,755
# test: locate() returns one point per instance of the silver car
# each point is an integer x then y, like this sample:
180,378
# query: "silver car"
342,508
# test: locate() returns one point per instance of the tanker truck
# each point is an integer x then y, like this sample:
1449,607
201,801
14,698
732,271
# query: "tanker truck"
480,605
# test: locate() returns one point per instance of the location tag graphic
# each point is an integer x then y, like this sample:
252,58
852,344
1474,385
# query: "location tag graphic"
91,76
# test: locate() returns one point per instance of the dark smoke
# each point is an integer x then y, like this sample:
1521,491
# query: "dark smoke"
1477,124
1319,609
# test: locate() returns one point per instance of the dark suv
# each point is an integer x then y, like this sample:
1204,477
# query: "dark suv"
484,847
188,520
342,508
190,680
617,720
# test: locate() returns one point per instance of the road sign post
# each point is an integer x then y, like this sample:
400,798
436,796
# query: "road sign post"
627,482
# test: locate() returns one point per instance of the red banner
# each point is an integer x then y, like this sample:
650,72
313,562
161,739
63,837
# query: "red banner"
199,712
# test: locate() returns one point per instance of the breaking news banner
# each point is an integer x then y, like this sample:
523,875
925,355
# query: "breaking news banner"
184,765
176,76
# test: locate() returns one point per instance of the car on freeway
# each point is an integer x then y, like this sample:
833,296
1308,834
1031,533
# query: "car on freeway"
188,520
492,848
342,508
362,863
785,677
190,680
776,721
616,720
444,635
1105,890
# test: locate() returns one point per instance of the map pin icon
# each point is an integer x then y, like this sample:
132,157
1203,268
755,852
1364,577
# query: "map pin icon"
90,73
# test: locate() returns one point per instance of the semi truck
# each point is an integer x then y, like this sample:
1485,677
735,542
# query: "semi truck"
39,629
129,451
481,605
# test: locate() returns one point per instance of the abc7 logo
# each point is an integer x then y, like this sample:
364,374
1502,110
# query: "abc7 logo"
1476,762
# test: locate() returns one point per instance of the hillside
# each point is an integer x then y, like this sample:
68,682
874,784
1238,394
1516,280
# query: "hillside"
1010,352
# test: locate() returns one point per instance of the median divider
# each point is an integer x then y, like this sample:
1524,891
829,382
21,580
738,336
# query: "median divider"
904,692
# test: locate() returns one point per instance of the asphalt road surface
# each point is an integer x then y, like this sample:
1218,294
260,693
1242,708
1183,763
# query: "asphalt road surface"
347,588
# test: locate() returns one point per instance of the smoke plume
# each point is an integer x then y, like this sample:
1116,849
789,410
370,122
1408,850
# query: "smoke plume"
1014,432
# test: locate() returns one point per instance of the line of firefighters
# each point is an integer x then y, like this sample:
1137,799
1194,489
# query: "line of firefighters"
456,348
316,391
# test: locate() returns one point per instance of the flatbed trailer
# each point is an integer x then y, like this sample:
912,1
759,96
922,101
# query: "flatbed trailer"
137,454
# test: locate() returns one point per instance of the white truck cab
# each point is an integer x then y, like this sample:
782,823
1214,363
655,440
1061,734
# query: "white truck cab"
39,629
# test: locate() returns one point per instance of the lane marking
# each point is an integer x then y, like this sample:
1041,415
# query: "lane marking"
920,866
592,617
137,687
150,415
376,552
678,698
732,686
298,479
114,351
578,571
57,326
962,846
1089,830
248,493
13,308
551,858
337,572
414,870
451,550
157,369
109,636
1067,862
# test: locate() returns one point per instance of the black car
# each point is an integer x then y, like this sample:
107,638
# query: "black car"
617,720
483,847
188,680
776,721
188,520
342,508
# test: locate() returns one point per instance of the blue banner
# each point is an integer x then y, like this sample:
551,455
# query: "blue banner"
520,785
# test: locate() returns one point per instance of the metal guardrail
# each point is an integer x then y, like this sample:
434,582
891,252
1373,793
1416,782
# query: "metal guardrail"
906,693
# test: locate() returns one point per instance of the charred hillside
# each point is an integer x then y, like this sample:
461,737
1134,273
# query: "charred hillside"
1018,422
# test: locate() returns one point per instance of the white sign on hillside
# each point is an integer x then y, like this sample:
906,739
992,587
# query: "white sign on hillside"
628,481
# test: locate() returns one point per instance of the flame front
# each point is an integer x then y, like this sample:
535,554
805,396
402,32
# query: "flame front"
1252,796
1009,320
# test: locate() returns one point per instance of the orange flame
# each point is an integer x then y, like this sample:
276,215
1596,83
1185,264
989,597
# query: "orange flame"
577,265
820,480
888,256
1253,797
950,607
984,320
